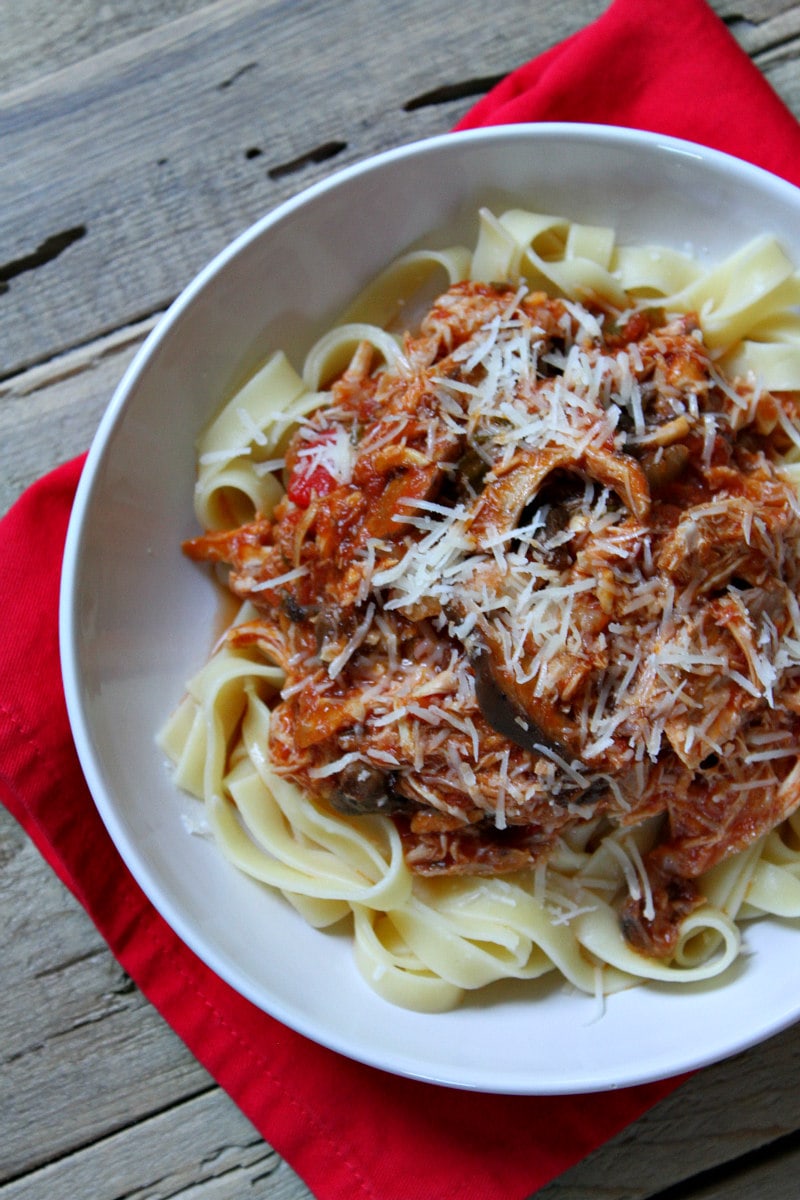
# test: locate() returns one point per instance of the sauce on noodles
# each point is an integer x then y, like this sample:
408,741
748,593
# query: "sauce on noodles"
534,573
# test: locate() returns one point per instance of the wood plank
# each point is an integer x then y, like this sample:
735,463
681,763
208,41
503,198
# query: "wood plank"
185,134
720,1113
202,1150
50,413
37,36
770,1177
82,1053
216,140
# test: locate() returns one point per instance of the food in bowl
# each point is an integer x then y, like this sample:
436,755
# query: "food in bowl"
514,681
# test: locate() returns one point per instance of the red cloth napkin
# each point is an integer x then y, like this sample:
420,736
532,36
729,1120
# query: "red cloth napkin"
666,67
349,1130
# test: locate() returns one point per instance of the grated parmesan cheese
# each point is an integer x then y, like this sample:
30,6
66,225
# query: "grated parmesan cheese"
590,586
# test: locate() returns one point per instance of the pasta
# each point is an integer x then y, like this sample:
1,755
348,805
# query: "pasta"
515,683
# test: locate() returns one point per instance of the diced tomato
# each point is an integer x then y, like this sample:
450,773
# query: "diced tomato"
305,484
309,477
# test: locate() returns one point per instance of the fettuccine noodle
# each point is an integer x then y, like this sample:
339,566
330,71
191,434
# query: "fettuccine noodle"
424,935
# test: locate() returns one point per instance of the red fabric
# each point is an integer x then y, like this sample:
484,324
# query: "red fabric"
350,1130
666,67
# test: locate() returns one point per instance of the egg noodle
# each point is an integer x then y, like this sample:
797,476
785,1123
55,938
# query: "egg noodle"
551,722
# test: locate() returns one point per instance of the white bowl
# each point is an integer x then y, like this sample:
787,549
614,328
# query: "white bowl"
137,619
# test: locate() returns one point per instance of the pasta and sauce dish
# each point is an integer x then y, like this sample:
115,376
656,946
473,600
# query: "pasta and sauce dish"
515,682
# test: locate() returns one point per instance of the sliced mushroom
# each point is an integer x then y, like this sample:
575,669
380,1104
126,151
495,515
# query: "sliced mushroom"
363,788
499,701
666,465
533,723
295,611
504,716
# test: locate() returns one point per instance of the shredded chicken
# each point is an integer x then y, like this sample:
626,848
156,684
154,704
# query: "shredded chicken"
559,582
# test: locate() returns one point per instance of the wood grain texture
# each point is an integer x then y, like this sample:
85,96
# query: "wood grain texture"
66,396
718,1114
99,1099
38,37
190,131
184,131
70,1013
202,1148
187,121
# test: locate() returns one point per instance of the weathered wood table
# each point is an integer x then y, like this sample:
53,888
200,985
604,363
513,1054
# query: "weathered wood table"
137,138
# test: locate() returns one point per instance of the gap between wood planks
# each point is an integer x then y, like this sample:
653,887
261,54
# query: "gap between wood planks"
764,37
41,373
234,1146
717,1180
